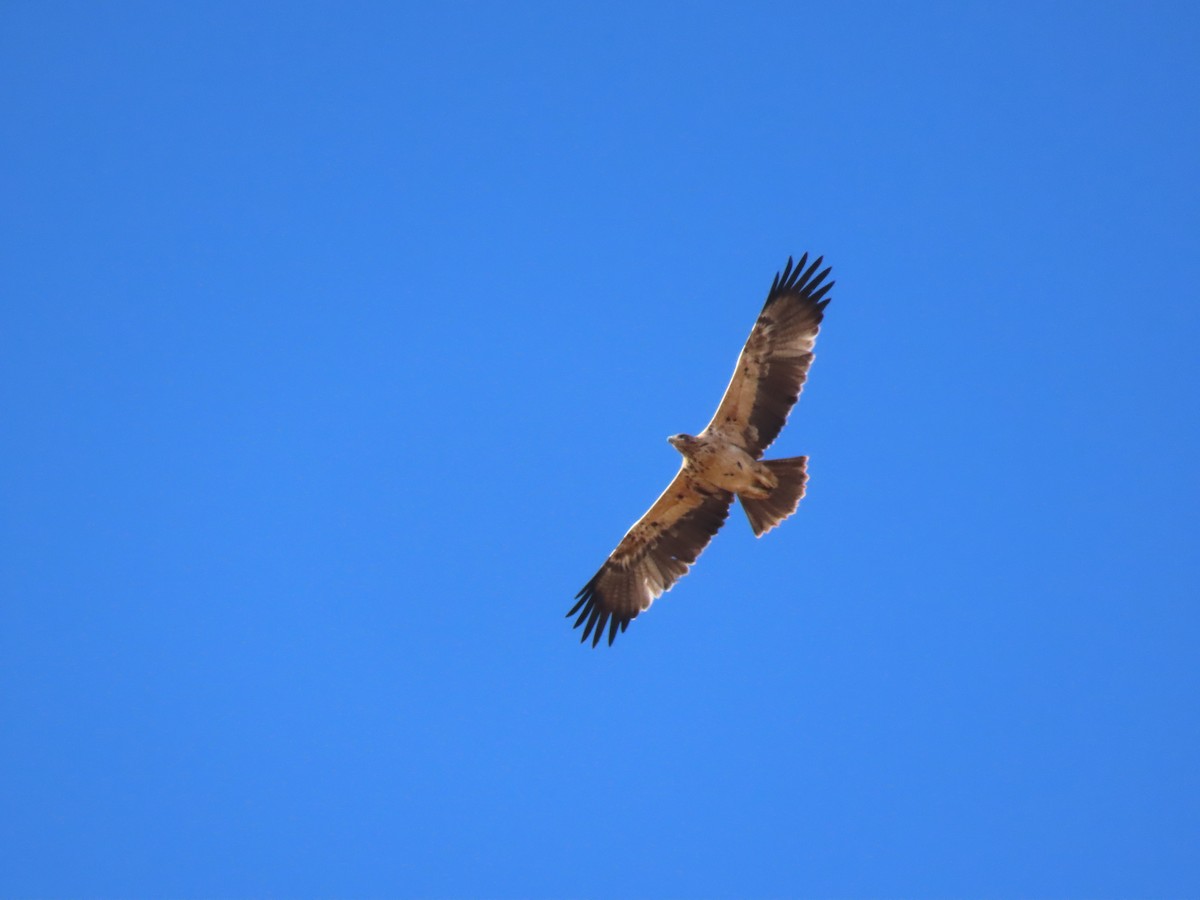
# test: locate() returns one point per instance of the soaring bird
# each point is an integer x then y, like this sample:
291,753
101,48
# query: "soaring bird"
723,460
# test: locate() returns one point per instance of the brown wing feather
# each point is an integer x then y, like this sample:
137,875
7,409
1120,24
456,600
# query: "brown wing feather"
654,554
773,365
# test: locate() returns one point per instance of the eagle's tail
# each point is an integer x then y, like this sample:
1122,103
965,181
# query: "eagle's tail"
783,499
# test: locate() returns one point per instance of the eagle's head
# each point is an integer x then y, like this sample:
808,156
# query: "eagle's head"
682,442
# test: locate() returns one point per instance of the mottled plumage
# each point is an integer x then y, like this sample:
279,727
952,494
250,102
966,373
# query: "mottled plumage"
721,462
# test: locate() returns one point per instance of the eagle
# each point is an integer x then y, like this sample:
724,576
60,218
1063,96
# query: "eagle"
722,461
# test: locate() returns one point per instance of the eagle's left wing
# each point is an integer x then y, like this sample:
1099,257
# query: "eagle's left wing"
773,365
654,554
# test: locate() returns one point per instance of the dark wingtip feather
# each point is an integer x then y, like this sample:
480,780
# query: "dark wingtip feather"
588,595
803,281
816,265
817,295
591,622
601,623
595,616
792,278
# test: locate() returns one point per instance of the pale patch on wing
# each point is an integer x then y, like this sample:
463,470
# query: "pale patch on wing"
774,363
655,553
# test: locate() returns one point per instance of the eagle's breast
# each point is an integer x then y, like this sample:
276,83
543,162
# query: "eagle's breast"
723,464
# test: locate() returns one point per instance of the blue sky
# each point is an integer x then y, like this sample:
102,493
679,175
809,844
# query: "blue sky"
339,344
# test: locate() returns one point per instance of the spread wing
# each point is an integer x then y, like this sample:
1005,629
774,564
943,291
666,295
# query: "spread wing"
654,554
774,364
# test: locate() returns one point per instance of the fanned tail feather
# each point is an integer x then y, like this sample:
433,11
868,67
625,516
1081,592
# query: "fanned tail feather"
784,498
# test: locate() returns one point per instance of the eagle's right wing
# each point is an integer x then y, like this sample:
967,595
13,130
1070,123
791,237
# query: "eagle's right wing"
654,554
773,365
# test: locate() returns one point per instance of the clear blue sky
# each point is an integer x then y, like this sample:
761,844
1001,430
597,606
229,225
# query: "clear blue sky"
339,344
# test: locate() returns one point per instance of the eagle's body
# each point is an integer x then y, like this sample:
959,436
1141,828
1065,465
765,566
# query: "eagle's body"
723,461
713,459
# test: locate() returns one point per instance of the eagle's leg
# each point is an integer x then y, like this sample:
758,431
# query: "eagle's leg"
760,483
765,479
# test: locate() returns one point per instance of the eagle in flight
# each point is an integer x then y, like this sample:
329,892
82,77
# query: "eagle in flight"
721,461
